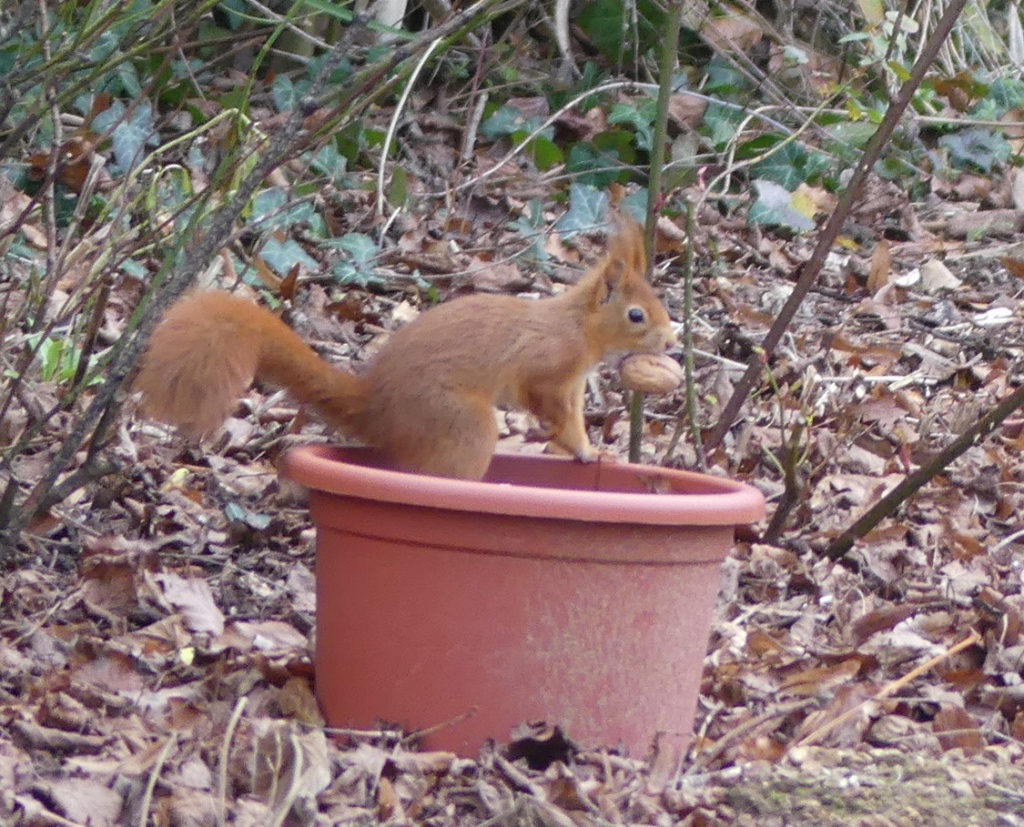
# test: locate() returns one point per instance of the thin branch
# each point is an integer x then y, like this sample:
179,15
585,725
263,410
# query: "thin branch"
666,66
887,690
199,252
830,232
912,483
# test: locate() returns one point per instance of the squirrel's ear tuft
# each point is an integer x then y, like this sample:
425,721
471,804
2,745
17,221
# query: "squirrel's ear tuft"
624,261
627,245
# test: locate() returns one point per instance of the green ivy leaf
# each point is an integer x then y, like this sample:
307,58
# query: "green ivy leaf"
606,23
359,246
283,255
328,161
232,13
267,205
724,79
235,512
722,123
350,140
640,117
619,27
593,166
284,94
544,153
129,78
531,227
132,130
357,268
791,166
50,354
588,207
850,134
976,148
636,205
616,144
508,120
1007,94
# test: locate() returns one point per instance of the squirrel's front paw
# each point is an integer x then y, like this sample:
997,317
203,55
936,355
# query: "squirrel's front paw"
584,452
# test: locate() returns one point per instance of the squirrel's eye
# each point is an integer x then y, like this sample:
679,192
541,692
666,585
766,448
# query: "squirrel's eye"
636,315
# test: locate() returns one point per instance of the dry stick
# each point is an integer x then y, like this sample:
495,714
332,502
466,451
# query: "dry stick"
396,116
430,730
688,362
222,762
887,690
370,82
689,416
473,127
789,460
92,329
835,222
46,816
667,62
611,86
35,312
284,806
706,756
127,354
147,796
909,485
69,58
49,193
475,103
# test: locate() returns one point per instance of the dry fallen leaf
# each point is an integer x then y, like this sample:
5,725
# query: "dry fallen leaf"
194,599
881,267
957,729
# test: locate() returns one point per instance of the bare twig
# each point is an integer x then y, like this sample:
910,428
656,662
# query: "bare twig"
284,806
709,754
912,483
412,737
689,261
396,116
200,248
789,461
222,762
147,796
667,64
611,86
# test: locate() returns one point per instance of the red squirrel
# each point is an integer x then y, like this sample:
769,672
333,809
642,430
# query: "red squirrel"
427,399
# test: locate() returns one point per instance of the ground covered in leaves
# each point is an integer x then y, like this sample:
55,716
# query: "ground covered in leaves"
164,673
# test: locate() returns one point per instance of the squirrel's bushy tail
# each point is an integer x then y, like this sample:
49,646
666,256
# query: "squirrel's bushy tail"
210,346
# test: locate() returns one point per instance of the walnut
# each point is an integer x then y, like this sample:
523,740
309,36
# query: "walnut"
650,373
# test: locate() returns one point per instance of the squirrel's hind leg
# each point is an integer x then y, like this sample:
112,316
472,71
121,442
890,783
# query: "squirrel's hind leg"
456,438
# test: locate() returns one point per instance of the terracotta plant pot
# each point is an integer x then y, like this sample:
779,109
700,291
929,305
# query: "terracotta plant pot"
576,594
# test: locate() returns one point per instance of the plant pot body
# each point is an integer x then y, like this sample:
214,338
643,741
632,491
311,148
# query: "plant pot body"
553,591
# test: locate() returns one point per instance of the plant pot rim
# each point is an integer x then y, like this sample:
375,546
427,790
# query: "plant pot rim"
721,502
